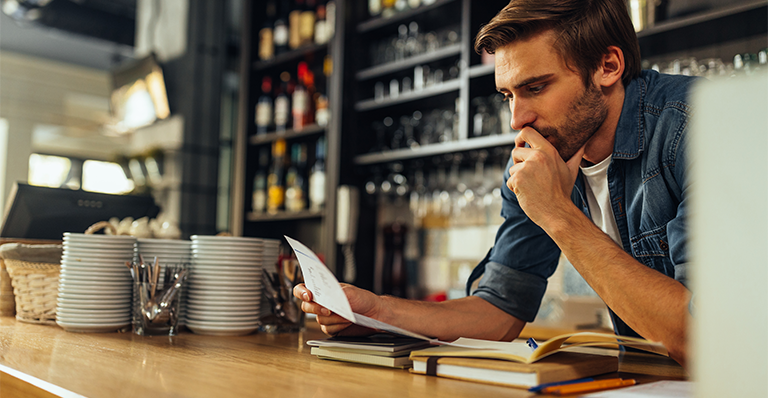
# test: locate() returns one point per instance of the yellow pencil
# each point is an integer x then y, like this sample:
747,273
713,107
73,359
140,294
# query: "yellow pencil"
588,386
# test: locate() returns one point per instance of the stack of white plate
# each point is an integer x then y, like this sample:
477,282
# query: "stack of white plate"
271,254
95,286
224,286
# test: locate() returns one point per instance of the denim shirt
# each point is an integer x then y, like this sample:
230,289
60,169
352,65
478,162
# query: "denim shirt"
648,187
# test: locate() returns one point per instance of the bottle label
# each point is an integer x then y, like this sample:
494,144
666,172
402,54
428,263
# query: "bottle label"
321,32
281,35
317,190
294,199
259,201
276,198
263,114
307,27
266,44
281,111
294,34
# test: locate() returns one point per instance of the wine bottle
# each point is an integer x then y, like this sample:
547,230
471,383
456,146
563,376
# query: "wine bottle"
275,181
374,8
307,23
296,180
280,31
283,103
259,197
294,25
317,178
300,98
321,25
266,34
264,109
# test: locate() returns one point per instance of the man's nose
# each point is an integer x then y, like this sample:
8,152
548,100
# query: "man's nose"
522,114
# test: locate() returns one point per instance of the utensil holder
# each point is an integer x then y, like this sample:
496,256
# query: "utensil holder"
147,321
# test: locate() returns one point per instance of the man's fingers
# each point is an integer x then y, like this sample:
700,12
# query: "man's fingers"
301,292
534,139
314,308
519,154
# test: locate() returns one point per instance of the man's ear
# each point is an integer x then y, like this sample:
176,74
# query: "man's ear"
611,67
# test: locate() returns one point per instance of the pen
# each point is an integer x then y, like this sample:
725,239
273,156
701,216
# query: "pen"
561,383
589,386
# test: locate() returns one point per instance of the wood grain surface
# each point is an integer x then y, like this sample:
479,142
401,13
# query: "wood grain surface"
190,365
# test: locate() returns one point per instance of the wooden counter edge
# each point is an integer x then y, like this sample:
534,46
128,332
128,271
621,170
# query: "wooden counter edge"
15,384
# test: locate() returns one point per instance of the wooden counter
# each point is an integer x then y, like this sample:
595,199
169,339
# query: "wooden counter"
45,361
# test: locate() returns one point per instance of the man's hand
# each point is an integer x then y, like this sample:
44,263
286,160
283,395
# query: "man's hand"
362,302
540,178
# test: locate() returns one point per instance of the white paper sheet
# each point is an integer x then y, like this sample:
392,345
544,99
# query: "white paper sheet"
327,292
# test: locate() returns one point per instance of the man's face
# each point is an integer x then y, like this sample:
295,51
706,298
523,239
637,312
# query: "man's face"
547,96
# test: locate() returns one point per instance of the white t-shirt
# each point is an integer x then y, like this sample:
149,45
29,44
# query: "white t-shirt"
599,198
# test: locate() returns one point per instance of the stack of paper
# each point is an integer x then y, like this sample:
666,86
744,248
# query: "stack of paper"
380,349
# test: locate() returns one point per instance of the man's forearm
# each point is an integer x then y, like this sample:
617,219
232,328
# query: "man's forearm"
449,320
651,303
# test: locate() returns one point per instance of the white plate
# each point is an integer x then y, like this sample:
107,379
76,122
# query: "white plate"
163,242
230,307
254,279
216,238
84,327
113,276
221,267
222,331
85,284
224,309
254,273
214,289
93,318
86,289
222,294
107,297
217,258
222,323
224,301
225,313
219,318
92,237
93,311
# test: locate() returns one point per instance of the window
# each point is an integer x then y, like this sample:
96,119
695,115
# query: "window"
49,171
105,177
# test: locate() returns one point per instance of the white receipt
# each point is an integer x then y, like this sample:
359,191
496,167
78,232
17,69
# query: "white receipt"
327,292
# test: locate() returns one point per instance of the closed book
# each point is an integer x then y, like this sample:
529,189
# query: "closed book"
558,367
382,343
361,357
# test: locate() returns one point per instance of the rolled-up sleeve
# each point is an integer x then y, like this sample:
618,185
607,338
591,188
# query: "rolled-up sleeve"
514,292
523,257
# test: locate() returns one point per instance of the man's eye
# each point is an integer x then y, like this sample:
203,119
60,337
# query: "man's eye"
536,89
507,97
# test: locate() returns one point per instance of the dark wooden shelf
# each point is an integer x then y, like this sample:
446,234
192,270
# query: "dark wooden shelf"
290,56
442,88
283,216
481,70
698,18
436,149
379,22
410,62
287,134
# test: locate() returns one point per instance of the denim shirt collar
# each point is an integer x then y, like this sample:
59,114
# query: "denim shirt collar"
629,141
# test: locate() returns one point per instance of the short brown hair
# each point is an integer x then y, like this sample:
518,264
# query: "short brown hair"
584,29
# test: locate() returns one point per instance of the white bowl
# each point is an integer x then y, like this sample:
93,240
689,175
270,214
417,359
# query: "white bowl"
222,331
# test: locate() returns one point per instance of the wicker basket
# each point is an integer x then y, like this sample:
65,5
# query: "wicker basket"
35,286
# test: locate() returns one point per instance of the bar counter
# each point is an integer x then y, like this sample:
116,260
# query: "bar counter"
46,361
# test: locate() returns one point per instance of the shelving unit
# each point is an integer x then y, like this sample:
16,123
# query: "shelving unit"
719,32
436,149
286,135
437,89
314,228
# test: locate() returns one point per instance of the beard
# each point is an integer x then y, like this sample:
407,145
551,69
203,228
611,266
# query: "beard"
588,112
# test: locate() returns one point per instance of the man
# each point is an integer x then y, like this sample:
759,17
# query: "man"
598,172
